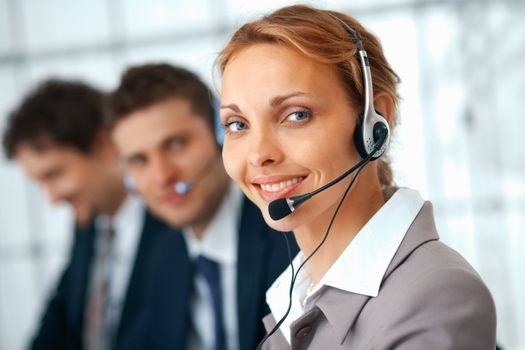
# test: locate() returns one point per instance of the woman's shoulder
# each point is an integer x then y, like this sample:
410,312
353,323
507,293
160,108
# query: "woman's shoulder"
434,264
434,295
423,258
435,279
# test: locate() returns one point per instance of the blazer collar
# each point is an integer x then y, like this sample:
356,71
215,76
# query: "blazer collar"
341,308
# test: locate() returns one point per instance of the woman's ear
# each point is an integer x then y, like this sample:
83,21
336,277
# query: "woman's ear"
384,104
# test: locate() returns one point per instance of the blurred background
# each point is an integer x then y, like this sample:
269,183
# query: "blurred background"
462,63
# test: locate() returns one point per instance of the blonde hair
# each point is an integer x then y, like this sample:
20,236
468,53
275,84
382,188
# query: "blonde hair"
321,37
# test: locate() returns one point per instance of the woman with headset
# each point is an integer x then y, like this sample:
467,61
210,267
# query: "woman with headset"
306,129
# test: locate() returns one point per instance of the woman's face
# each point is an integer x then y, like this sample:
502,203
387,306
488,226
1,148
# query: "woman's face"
289,127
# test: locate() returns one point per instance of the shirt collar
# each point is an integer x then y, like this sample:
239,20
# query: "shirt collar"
219,241
361,266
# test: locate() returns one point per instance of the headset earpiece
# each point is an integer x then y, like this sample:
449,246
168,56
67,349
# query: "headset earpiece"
367,134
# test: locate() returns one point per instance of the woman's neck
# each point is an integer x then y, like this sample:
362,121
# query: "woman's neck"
361,203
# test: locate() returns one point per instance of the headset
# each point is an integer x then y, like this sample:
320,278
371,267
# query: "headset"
371,125
371,137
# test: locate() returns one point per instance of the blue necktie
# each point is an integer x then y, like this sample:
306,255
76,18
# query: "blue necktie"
210,271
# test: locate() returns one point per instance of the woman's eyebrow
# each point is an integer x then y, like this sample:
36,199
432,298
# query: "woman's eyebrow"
274,101
277,100
232,106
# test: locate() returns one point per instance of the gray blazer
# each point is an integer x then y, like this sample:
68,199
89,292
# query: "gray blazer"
430,298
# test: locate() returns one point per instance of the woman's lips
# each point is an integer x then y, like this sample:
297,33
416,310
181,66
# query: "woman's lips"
272,188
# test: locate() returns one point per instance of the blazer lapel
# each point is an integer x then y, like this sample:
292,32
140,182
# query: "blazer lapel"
80,274
277,341
250,266
174,287
341,309
135,290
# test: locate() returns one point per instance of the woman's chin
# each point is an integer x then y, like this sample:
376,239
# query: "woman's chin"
284,225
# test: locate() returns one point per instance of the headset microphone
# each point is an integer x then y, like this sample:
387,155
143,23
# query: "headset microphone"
182,187
280,208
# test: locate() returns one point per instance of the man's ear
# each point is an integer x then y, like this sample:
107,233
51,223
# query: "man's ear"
104,146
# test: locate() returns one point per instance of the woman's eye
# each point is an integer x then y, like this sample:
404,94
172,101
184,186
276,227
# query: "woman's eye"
235,126
299,116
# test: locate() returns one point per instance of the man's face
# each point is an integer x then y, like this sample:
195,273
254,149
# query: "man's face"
68,175
165,144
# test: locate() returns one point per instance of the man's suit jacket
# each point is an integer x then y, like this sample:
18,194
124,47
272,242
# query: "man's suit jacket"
63,321
261,257
430,298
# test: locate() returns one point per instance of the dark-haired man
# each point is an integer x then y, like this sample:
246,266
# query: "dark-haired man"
162,123
57,135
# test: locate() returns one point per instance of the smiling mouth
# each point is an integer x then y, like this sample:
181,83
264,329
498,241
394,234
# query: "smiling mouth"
275,187
281,189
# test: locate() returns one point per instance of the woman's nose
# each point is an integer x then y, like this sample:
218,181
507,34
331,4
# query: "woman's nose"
264,150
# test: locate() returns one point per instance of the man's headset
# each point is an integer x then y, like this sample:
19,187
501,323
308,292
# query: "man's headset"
371,138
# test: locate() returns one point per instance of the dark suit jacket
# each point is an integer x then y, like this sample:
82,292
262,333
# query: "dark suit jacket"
430,298
62,323
262,257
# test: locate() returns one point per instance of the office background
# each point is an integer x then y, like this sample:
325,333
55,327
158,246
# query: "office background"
462,63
